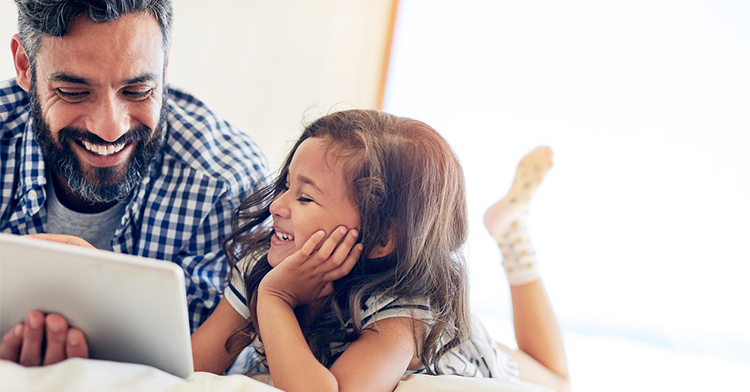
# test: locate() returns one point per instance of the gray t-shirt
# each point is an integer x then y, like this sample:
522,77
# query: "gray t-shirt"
98,228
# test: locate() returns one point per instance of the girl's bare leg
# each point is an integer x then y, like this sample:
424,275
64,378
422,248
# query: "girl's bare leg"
542,355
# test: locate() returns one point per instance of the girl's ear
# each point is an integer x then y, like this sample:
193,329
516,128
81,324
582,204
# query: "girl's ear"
385,247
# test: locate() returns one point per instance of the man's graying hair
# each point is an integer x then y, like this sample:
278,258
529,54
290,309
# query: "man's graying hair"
53,17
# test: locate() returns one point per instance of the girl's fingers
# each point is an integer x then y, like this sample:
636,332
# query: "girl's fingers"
326,291
330,244
341,252
346,266
308,248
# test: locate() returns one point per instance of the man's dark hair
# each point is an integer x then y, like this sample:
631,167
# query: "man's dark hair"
53,17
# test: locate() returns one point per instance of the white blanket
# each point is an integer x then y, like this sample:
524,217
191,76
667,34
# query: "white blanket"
93,375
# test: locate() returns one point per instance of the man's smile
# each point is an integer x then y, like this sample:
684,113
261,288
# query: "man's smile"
100,155
103,150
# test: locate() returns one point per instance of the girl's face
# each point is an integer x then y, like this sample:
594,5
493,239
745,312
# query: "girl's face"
316,198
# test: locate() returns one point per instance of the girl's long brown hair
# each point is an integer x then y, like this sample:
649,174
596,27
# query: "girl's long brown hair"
408,186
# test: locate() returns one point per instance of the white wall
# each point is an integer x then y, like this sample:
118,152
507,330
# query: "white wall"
8,27
642,225
267,66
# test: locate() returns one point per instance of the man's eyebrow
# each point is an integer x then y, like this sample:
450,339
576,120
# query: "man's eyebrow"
147,77
308,180
68,78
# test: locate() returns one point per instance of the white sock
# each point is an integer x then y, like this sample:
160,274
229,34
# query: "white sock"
506,219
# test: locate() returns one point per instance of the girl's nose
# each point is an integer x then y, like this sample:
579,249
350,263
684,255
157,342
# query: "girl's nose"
279,207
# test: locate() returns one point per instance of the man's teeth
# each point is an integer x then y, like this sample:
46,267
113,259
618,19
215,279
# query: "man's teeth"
284,236
102,149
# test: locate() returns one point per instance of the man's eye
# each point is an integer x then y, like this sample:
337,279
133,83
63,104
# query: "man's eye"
138,94
71,95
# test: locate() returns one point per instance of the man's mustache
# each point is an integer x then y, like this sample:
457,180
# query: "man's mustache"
139,133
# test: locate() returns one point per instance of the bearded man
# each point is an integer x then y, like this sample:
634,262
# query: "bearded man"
95,144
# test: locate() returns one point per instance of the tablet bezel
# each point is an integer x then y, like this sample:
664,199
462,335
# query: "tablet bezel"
132,309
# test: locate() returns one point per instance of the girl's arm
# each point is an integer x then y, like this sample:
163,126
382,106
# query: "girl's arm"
209,341
374,362
293,366
378,359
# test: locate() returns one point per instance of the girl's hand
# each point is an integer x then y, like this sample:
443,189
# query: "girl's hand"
307,274
63,239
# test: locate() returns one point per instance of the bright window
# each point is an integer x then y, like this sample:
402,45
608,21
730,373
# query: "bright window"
643,225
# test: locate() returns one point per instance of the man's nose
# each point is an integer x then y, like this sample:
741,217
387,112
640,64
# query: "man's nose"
110,119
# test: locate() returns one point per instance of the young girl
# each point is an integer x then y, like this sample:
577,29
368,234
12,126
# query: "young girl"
347,271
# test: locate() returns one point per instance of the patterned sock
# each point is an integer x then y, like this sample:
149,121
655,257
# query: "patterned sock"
506,219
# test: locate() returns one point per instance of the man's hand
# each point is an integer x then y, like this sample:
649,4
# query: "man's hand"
63,239
43,340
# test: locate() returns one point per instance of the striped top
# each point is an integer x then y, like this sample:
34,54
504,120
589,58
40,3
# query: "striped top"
478,357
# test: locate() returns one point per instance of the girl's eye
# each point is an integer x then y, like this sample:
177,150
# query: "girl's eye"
303,200
71,95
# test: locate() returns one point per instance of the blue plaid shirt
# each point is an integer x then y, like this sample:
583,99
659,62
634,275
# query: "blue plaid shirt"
180,212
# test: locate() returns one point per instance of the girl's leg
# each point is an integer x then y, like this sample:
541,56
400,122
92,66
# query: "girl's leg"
537,333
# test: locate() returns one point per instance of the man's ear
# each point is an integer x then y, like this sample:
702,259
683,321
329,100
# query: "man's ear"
21,62
166,65
385,247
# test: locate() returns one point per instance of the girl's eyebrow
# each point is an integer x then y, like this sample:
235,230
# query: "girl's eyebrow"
307,180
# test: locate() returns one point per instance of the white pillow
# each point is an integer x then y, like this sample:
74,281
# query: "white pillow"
425,382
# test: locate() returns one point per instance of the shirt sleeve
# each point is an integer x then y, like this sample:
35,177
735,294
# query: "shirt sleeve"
381,307
205,262
235,293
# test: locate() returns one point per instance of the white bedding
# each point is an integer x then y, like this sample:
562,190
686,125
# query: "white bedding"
93,375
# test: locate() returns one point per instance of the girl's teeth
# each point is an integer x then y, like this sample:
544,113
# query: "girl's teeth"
284,237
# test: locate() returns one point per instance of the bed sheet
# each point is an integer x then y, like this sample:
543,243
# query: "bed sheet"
94,375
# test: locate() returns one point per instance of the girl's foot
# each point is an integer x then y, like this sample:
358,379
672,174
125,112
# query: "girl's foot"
506,219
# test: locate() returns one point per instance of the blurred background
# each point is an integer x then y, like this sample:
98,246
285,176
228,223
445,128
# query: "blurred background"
643,225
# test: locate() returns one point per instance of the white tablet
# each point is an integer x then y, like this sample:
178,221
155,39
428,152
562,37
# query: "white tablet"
131,309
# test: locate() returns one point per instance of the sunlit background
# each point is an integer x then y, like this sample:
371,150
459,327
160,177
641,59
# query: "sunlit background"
643,225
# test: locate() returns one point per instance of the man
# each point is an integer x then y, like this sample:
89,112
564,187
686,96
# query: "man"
94,144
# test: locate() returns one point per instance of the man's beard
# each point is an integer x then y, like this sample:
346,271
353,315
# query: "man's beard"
97,184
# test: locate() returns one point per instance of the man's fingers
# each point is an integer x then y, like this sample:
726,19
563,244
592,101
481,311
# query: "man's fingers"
63,239
346,266
56,331
33,333
76,346
341,252
10,347
330,245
